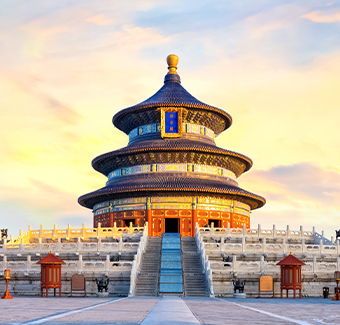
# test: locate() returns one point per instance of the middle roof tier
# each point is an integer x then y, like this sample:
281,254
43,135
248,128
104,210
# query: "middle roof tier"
172,151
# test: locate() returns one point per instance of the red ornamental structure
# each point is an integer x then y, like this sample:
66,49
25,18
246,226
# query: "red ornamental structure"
50,273
172,175
290,274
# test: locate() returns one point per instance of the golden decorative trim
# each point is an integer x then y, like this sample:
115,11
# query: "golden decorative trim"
178,110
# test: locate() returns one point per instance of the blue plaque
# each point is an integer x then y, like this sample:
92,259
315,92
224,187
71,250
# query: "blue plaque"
171,122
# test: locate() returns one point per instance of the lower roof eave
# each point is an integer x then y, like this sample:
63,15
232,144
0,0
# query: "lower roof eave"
105,194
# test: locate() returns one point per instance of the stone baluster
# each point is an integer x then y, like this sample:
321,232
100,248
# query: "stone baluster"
41,232
68,232
262,266
120,244
235,264
107,263
244,230
288,231
228,228
337,262
79,245
29,231
274,231
115,230
28,263
54,232
83,231
314,264
99,229
243,244
284,246
301,232
303,246
40,244
58,246
80,263
321,245
21,243
338,247
259,231
264,244
99,244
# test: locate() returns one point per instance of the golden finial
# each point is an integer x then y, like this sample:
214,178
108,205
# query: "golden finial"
290,253
172,61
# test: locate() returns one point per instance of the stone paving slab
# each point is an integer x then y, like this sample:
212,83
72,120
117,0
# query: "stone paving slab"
171,311
125,311
266,311
21,309
168,310
34,310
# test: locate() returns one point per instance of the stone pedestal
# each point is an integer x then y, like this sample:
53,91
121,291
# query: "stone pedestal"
238,295
103,294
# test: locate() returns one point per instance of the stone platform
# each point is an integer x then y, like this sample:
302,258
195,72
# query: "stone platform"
168,310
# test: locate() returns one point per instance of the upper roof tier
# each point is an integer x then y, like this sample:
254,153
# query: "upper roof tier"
172,94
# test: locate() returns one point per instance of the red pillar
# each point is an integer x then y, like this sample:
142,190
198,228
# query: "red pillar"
194,217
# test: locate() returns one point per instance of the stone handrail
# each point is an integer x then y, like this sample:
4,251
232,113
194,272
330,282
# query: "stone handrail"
257,232
69,247
205,262
136,264
270,267
270,248
321,238
71,266
87,234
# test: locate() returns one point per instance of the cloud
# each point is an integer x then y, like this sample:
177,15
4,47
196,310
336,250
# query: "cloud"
301,182
61,110
319,17
300,194
100,20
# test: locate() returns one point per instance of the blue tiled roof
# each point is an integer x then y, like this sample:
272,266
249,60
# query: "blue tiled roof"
172,94
169,184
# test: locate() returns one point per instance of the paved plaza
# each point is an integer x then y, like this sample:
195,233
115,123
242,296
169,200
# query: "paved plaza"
168,310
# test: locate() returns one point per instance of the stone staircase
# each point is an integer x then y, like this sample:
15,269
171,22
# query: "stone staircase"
148,277
194,279
171,279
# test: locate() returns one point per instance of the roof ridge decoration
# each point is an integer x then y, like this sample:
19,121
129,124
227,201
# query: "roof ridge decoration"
172,60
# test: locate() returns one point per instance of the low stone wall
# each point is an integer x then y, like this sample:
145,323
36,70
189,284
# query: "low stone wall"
311,286
25,273
21,285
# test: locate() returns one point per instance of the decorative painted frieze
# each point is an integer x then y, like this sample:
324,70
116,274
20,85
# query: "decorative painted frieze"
178,167
157,128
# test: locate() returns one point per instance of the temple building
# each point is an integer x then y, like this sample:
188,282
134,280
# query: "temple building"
171,174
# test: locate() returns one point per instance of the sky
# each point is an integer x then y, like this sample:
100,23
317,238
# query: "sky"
67,66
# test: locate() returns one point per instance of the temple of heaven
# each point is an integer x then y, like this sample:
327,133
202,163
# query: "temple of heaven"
171,174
